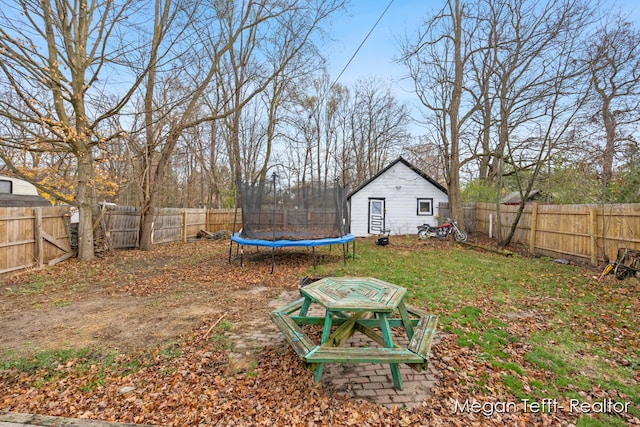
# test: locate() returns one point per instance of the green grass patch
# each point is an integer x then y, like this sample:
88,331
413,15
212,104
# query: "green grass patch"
516,387
602,421
93,365
170,351
44,360
225,325
218,336
473,330
549,361
34,286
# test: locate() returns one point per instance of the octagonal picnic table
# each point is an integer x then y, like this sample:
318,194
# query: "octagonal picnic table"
365,304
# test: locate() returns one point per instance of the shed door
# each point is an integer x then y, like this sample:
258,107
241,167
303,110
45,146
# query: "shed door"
376,216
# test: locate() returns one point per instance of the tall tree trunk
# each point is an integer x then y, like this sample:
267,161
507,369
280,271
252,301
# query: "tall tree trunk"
85,202
214,187
609,121
455,201
155,186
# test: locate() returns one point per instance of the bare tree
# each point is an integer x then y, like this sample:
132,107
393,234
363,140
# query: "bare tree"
438,61
303,120
300,57
233,60
164,114
501,84
56,59
311,118
613,57
345,134
378,127
426,156
538,89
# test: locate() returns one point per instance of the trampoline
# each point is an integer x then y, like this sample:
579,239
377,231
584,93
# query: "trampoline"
305,215
273,244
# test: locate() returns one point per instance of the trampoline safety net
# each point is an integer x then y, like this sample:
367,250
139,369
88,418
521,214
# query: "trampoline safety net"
301,212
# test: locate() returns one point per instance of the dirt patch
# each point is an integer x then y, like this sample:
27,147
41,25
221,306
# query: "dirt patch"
111,322
131,299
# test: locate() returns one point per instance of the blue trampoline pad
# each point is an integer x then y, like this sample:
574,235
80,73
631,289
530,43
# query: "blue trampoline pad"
299,243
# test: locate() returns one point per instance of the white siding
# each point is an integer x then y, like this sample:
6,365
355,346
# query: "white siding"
401,188
21,187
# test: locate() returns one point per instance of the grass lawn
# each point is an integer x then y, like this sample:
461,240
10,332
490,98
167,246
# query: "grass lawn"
522,341
544,329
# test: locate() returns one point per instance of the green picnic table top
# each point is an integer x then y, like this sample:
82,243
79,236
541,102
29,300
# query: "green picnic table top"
355,294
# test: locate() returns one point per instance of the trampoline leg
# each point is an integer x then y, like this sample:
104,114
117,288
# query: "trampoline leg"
314,258
241,254
344,253
273,253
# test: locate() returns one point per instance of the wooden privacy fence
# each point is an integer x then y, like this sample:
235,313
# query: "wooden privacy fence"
591,233
468,212
31,237
169,225
120,225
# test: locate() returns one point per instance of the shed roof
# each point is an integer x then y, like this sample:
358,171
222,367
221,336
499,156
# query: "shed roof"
22,200
407,164
515,197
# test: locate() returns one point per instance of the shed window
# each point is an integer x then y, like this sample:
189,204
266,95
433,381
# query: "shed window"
425,207
5,186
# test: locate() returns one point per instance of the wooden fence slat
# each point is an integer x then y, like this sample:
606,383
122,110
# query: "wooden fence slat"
534,223
593,239
38,236
31,237
17,243
49,238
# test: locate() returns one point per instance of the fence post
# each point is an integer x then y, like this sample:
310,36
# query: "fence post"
593,230
184,226
37,232
533,228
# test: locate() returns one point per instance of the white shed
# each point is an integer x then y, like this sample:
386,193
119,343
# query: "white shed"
398,198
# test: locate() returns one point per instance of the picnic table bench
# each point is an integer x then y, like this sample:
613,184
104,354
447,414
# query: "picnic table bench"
370,306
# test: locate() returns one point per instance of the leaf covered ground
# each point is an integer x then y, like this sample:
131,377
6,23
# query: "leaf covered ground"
144,337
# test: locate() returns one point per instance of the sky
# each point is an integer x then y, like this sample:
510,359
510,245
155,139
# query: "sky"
376,57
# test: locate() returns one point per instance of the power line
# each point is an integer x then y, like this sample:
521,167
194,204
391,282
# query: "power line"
361,44
324,95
